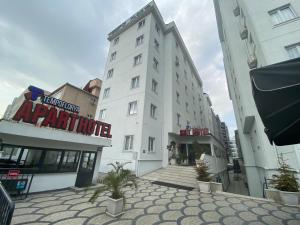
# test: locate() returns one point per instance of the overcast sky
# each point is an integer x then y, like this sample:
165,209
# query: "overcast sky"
51,42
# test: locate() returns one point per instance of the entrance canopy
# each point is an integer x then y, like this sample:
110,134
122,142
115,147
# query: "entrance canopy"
30,135
276,92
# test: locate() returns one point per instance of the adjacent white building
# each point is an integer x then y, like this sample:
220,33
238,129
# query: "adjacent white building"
254,34
152,90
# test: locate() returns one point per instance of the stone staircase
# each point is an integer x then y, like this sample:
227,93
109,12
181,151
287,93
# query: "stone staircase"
175,175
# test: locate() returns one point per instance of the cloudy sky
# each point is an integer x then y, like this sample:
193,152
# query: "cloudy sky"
50,42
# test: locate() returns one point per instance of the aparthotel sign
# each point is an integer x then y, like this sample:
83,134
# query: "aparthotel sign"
194,132
50,116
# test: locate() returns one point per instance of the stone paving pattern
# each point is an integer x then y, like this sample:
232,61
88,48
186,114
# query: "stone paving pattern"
152,204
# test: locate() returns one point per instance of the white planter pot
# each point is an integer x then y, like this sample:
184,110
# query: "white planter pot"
215,186
273,194
289,198
204,186
173,161
114,207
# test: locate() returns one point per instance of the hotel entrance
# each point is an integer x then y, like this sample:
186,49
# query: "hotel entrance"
189,153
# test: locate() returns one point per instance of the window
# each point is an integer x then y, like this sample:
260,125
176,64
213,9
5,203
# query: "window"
31,158
135,82
177,97
195,115
41,160
293,51
102,114
139,40
178,119
153,111
51,160
9,156
154,86
110,73
176,61
185,88
70,161
113,56
156,45
132,108
177,77
141,24
192,86
138,59
157,28
155,64
128,142
193,100
282,14
106,92
116,40
187,107
151,144
176,43
185,74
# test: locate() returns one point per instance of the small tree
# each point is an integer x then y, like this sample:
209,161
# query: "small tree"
202,172
114,181
285,180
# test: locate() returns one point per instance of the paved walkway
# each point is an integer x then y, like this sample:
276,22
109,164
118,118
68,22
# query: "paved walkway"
237,185
152,204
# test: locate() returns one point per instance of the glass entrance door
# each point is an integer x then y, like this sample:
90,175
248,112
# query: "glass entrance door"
86,169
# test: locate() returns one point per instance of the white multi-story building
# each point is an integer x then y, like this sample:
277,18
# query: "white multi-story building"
152,90
254,34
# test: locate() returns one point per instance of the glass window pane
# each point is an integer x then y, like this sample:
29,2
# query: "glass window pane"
32,158
9,156
51,160
70,161
287,14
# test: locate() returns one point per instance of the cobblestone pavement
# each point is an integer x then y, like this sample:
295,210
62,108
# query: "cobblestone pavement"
152,204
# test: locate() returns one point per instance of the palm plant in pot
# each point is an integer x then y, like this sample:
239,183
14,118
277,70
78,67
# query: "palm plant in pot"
203,177
287,184
114,182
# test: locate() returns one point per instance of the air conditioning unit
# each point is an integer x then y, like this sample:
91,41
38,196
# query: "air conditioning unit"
236,11
244,32
252,61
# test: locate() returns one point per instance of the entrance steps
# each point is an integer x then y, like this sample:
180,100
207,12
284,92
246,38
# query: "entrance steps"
176,175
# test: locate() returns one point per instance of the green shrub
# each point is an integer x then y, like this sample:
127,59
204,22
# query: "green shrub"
114,181
285,180
202,172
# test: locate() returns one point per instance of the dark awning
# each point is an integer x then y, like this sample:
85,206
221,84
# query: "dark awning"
276,92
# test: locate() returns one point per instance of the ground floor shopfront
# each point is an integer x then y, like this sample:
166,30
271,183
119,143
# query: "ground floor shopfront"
57,159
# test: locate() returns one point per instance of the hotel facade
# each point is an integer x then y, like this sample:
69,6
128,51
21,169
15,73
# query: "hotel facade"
152,94
255,34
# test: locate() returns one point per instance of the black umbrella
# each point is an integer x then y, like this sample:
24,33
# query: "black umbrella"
276,92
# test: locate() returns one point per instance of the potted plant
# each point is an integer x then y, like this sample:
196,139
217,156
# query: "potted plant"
287,184
203,177
114,182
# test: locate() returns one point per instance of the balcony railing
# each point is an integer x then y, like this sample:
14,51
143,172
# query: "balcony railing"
7,207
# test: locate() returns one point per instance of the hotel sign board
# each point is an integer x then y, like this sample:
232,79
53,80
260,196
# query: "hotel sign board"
194,132
53,113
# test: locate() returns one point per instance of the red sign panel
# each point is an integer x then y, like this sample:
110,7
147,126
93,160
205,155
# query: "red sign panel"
60,119
13,173
194,132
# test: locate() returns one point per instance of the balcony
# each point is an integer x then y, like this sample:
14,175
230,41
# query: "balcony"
236,11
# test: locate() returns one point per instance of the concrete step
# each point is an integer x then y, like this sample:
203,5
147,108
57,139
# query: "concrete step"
178,175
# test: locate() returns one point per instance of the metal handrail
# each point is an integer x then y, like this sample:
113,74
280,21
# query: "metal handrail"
7,207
